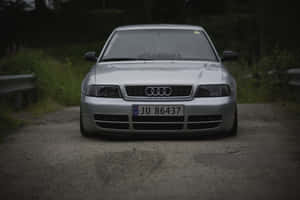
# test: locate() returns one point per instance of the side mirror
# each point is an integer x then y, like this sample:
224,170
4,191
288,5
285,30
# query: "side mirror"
229,56
90,56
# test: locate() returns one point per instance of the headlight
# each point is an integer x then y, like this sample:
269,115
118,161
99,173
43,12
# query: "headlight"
213,91
103,91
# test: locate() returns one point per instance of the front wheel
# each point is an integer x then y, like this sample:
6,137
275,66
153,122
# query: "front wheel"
84,132
233,131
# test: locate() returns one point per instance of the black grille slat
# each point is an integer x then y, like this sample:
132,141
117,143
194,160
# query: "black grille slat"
157,119
177,91
145,123
113,125
204,118
203,126
120,118
158,126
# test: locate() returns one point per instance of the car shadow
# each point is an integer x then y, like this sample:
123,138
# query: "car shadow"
160,137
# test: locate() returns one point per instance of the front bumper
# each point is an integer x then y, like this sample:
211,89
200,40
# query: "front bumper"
202,115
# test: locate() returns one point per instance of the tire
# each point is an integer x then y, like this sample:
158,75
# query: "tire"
234,130
83,132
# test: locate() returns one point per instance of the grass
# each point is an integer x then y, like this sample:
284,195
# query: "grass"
8,122
264,86
46,105
59,70
55,79
59,73
264,89
260,89
249,90
293,108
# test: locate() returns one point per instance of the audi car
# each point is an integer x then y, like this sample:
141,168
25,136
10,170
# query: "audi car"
152,79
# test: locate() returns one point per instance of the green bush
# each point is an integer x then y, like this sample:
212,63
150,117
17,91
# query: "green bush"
7,122
266,81
272,73
59,72
57,79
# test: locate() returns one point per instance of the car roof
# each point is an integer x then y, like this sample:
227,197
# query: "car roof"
159,26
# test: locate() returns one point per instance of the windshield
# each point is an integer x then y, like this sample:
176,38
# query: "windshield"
159,45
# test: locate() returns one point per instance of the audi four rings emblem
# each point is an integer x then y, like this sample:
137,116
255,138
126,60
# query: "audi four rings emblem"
158,91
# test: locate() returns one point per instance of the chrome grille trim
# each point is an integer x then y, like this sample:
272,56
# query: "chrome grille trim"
138,91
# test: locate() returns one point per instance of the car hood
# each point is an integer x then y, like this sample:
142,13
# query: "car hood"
164,73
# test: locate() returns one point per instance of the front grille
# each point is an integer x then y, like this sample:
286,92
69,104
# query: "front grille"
198,122
146,127
203,126
157,119
113,125
177,91
204,118
112,121
156,123
120,118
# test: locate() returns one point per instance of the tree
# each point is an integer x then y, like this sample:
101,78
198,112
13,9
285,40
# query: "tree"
148,6
104,4
11,35
40,5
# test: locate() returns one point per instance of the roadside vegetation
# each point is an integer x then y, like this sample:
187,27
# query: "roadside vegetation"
59,73
266,81
8,122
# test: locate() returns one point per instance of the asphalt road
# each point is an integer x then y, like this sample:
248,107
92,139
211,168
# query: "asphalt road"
50,160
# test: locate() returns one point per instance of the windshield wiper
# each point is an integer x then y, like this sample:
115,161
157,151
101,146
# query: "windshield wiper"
124,59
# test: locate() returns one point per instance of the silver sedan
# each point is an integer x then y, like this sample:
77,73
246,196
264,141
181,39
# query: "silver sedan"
158,79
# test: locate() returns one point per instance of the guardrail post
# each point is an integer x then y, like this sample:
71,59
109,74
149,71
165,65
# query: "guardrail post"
30,97
18,89
18,104
294,82
294,77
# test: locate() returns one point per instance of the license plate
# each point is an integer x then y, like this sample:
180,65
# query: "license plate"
158,110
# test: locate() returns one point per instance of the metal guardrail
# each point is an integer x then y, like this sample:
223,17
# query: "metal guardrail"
294,77
19,90
16,83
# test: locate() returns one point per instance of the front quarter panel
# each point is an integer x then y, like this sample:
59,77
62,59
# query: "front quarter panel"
227,77
89,79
